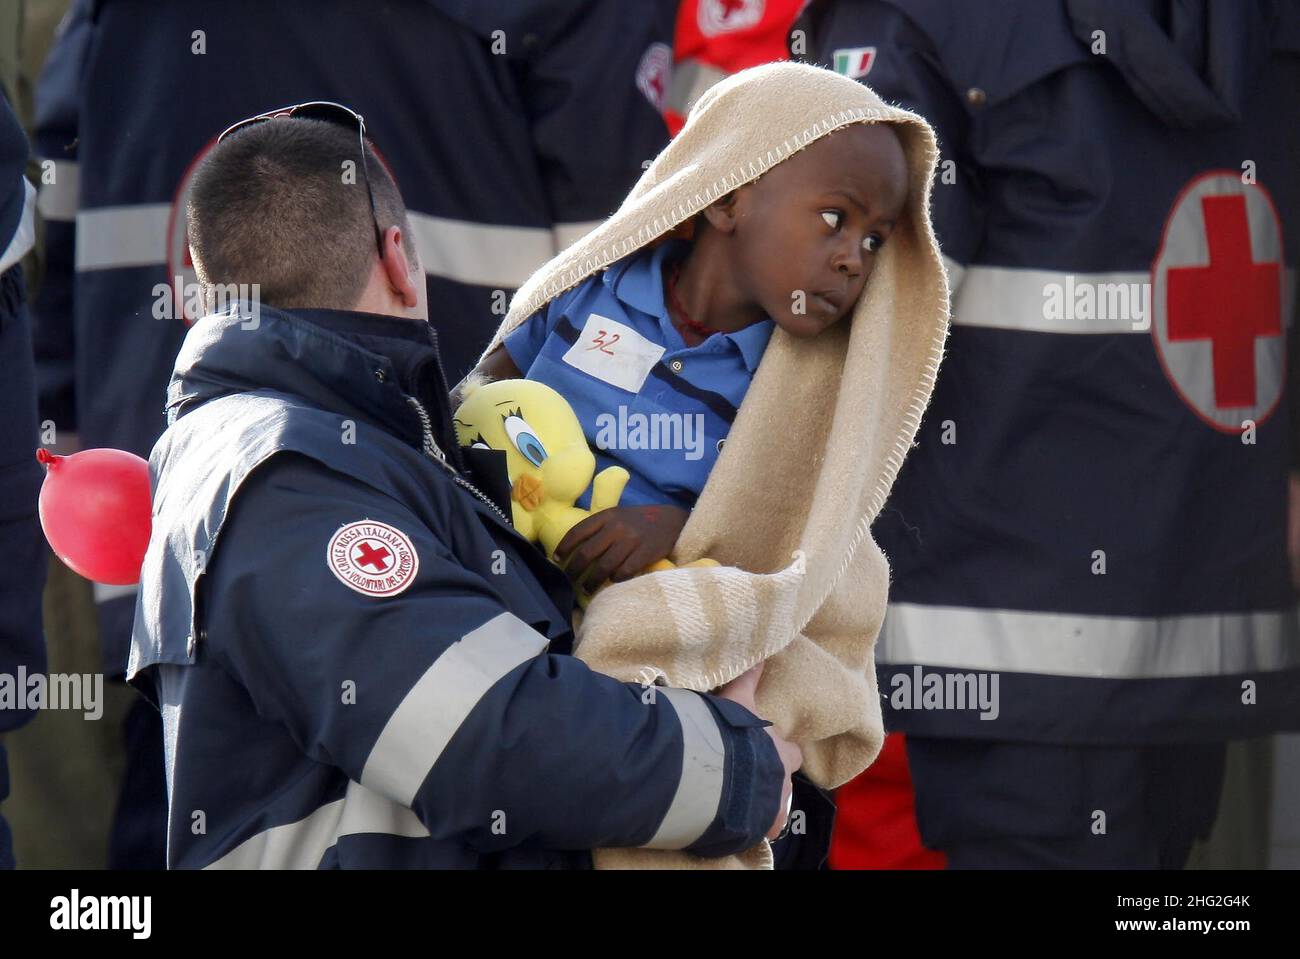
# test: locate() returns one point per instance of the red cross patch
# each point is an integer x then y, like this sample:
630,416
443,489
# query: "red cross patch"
715,17
1218,296
180,268
373,558
653,73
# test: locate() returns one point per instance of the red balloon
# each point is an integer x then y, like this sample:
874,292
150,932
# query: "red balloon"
96,511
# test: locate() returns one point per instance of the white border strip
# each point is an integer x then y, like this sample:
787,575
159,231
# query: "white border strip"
1011,298
1097,647
440,702
119,237
57,201
303,844
104,593
699,790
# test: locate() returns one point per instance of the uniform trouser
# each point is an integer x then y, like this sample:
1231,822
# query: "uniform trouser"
86,794
6,837
1000,805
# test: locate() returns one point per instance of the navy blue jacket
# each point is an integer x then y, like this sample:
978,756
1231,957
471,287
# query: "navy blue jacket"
359,662
1096,510
21,542
22,570
13,164
511,128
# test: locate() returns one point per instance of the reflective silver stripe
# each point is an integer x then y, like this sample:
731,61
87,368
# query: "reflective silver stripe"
58,200
302,844
699,790
690,78
1010,298
955,274
424,722
476,253
567,234
103,593
1098,647
24,237
116,237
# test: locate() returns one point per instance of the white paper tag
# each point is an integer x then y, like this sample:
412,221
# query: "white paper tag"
614,352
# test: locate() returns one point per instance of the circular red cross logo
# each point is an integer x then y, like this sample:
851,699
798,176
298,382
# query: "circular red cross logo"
724,16
180,267
372,558
1218,289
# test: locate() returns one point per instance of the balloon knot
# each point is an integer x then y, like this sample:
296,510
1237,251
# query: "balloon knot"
46,458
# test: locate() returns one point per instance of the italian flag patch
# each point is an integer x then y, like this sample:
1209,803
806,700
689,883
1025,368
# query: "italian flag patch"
854,62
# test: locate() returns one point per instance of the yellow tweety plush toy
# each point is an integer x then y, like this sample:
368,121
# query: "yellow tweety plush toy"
547,457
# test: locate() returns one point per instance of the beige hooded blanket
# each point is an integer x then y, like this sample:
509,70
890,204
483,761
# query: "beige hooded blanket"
809,460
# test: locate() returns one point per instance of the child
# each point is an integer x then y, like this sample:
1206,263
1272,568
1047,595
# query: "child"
670,336
787,223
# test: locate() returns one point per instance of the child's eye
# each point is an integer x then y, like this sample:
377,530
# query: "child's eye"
873,242
832,218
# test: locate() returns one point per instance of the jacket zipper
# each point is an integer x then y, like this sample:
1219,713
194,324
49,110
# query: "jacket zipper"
434,453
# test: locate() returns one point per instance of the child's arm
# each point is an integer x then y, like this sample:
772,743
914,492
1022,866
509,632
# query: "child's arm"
497,365
619,542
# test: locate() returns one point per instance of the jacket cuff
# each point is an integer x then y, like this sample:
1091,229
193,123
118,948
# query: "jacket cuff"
752,780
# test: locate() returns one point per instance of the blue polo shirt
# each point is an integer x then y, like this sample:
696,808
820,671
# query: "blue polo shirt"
646,400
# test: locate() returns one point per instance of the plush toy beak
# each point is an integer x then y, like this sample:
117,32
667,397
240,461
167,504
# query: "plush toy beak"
528,492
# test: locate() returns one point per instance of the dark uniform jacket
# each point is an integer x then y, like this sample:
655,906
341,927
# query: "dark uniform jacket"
359,663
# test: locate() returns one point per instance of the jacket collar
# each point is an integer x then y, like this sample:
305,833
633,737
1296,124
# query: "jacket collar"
358,365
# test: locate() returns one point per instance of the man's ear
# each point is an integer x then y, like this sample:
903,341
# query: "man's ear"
721,213
398,270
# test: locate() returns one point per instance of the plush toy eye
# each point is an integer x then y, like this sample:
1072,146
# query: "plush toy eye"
525,439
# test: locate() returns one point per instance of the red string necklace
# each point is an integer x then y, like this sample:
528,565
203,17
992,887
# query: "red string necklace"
683,319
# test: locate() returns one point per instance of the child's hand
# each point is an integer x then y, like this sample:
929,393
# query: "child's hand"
619,542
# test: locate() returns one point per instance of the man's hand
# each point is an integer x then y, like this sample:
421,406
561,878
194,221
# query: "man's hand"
741,690
619,542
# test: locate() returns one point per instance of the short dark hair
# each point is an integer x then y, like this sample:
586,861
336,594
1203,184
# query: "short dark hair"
272,204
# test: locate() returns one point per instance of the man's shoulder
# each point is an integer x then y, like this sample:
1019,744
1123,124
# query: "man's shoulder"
219,444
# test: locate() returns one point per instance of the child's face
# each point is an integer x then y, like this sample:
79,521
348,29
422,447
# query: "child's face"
806,234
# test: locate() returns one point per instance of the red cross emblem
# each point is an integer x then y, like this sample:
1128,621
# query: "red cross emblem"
723,16
368,555
372,558
180,268
652,73
1217,303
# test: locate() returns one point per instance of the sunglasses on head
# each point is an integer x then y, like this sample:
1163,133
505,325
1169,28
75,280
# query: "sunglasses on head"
330,112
